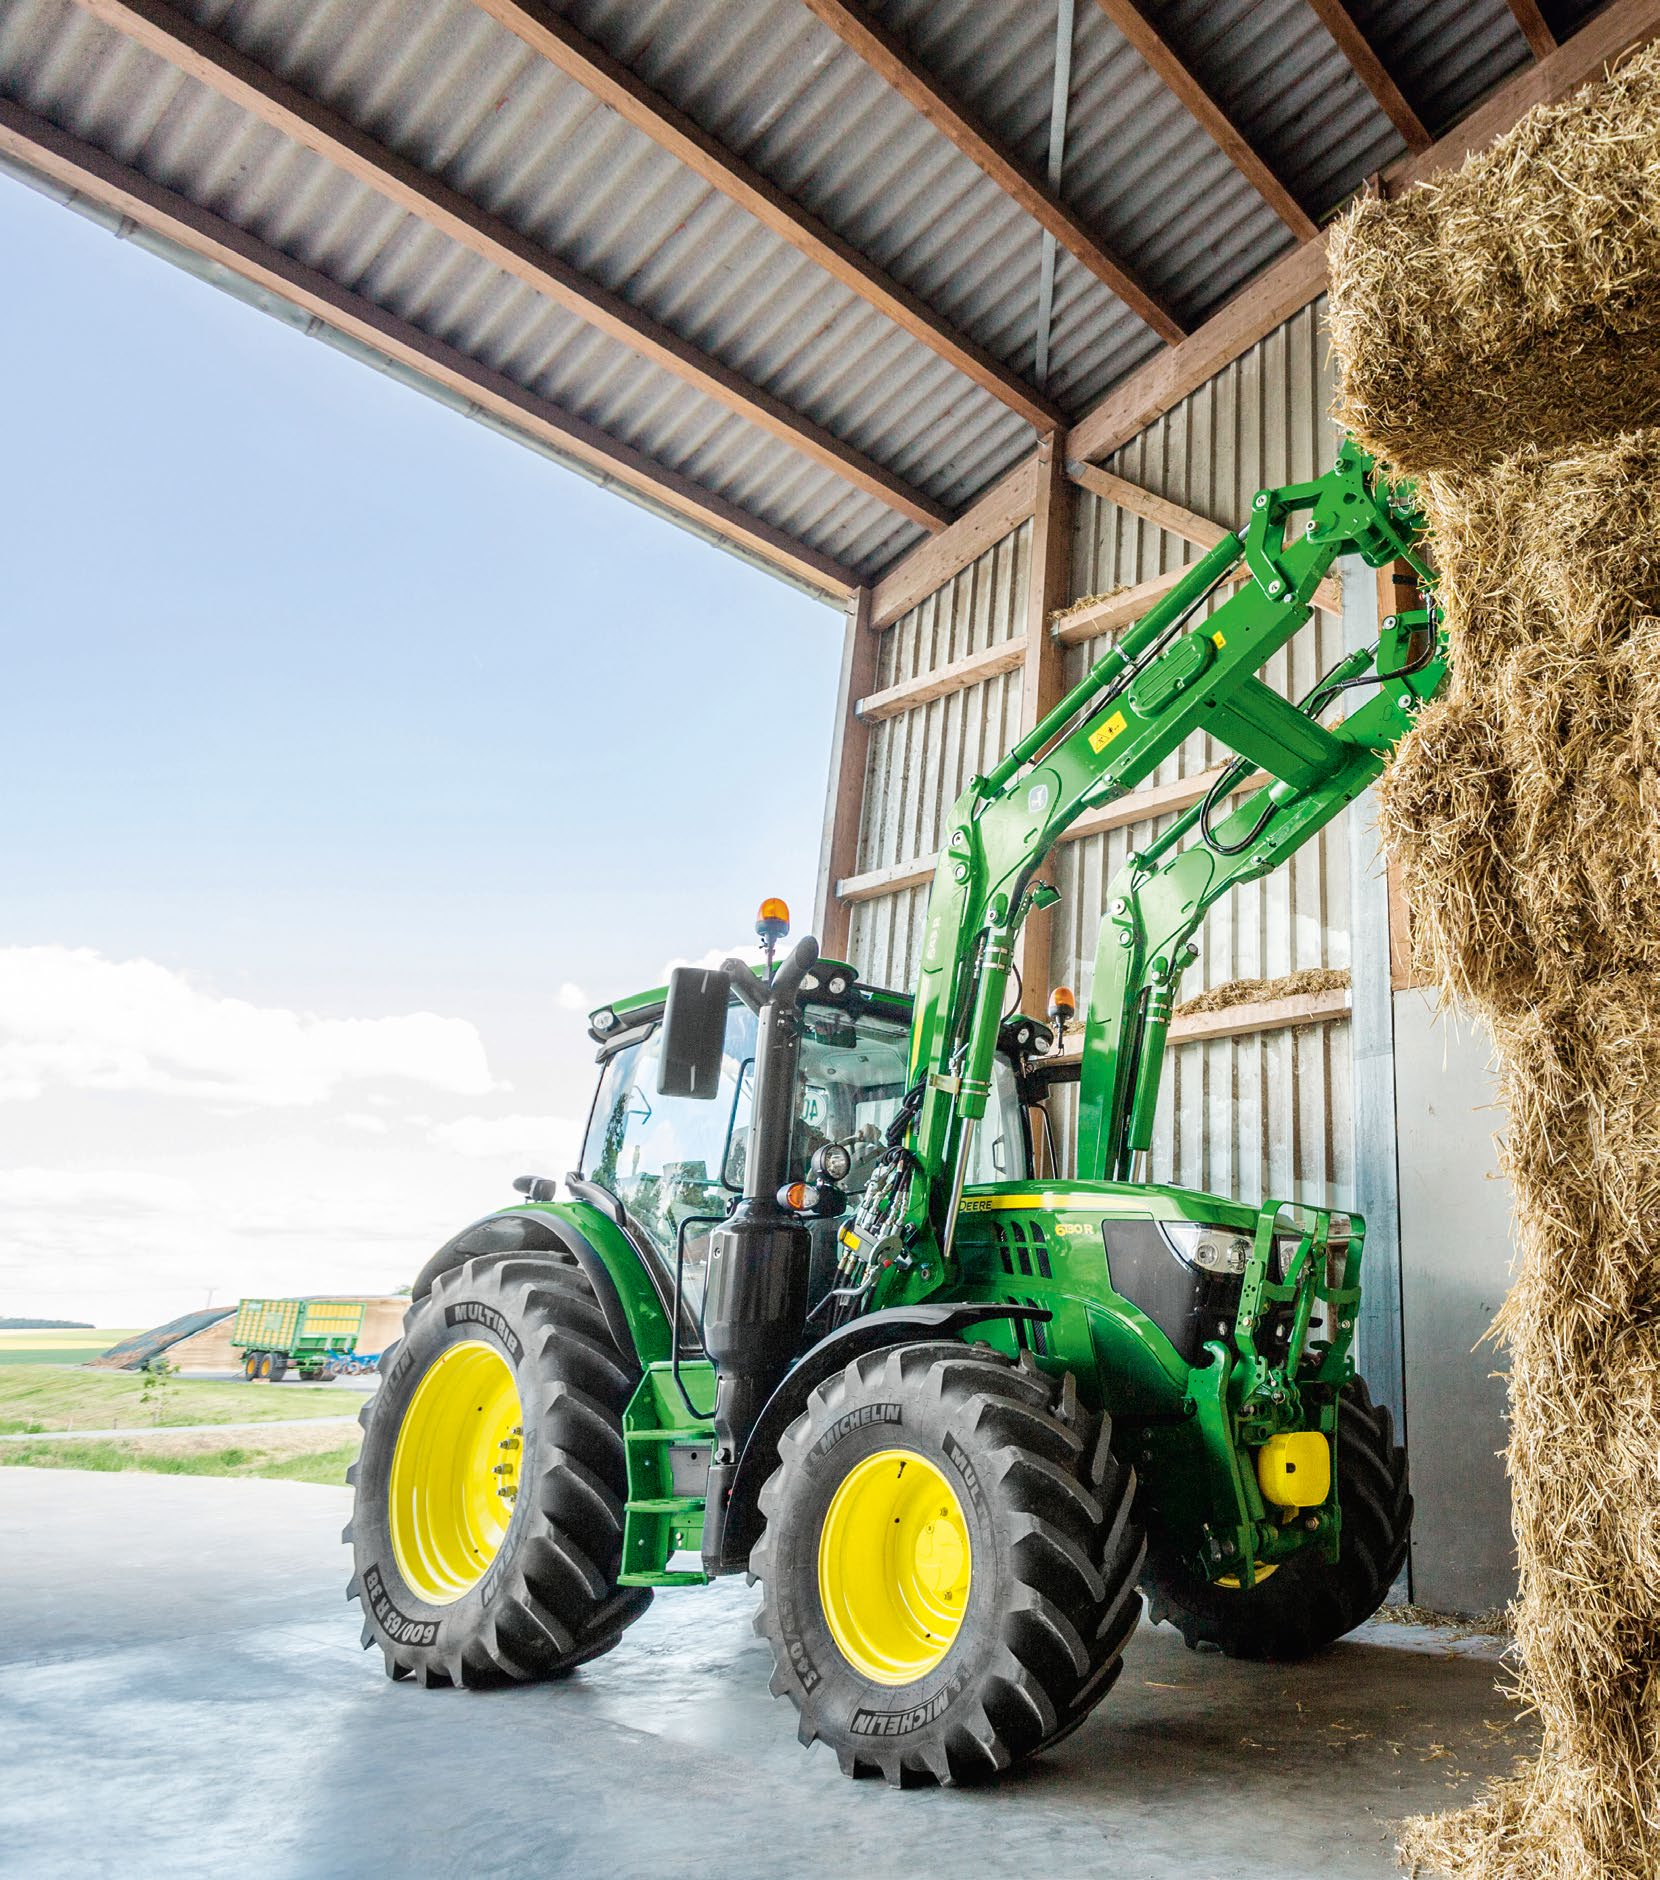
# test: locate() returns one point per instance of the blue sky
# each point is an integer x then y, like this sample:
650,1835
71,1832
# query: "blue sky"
335,709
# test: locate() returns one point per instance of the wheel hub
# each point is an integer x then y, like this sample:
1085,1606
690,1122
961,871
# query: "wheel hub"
455,1472
894,1566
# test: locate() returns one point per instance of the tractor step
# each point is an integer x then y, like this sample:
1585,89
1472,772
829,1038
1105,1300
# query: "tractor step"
668,1455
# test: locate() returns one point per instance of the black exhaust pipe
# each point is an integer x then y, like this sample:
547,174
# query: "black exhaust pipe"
755,1286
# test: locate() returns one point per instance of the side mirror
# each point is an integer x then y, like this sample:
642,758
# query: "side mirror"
694,1032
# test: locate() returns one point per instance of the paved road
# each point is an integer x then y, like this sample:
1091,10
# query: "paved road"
182,1693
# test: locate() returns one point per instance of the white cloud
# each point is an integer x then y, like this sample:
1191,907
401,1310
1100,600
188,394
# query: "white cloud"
549,1142
366,1122
68,1016
571,998
104,1192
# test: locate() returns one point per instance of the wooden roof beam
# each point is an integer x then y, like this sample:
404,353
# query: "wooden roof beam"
1144,35
1535,29
82,169
210,61
550,37
889,57
1373,74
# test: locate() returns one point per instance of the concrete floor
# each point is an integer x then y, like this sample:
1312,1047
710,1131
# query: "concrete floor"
181,1692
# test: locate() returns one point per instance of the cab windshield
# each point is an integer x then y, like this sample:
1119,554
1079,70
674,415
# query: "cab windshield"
670,1160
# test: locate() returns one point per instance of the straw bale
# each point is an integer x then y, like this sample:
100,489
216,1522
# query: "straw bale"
1497,340
1524,811
1514,298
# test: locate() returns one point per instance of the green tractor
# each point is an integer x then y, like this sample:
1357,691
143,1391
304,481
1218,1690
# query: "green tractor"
808,1309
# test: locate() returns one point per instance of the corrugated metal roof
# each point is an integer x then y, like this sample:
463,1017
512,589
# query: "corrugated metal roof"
444,86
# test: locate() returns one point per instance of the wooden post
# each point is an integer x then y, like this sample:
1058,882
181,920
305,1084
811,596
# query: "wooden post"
1048,586
844,804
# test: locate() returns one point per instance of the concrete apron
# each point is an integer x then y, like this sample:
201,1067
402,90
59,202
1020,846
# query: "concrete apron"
182,1691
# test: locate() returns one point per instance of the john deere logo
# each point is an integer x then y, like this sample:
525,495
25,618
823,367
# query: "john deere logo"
1037,799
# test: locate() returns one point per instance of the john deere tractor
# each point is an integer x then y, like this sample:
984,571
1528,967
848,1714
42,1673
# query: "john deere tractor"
808,1308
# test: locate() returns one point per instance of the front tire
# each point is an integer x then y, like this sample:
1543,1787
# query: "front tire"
946,1626
1307,1603
487,1529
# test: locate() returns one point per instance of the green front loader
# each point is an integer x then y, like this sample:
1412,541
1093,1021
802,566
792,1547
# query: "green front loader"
818,1306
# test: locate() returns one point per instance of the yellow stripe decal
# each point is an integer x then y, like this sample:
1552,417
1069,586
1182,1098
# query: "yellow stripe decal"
1051,1204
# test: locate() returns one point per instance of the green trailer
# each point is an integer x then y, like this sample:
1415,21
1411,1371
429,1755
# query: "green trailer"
308,1336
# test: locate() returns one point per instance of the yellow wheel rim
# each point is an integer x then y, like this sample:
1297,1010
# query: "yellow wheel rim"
894,1564
455,1472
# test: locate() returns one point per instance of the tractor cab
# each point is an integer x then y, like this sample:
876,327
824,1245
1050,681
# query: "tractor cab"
676,1162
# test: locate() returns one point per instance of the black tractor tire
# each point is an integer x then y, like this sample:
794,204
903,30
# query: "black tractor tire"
264,1371
549,1600
1308,1603
1054,1557
250,1366
279,1366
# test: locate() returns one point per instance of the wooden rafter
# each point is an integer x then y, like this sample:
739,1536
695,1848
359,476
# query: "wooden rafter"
839,848
1535,28
1372,72
939,682
1173,518
210,61
1144,35
1001,508
550,37
889,57
82,169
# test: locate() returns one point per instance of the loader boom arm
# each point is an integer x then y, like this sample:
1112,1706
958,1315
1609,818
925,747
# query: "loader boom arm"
1170,675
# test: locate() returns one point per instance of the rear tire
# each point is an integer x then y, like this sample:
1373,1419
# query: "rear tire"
545,1597
250,1366
1307,1603
1049,1598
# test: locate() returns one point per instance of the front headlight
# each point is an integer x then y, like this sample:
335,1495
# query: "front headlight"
1287,1243
1211,1249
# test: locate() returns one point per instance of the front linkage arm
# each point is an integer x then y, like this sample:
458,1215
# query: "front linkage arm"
1172,674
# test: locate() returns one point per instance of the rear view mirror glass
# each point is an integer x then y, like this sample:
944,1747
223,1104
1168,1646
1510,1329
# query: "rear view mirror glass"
694,1033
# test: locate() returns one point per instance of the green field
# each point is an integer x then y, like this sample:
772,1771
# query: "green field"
326,1462
60,1347
40,1397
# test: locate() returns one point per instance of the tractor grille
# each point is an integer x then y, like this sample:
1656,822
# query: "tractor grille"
1023,1247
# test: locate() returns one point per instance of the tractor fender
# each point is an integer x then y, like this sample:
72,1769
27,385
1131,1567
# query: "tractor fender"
633,1314
896,1325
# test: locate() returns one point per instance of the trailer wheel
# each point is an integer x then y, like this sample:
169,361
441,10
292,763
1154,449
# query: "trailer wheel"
264,1369
1307,1603
948,1565
250,1366
487,1528
279,1366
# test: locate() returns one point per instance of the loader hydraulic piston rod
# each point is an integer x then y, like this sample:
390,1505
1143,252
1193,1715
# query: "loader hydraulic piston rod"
1172,675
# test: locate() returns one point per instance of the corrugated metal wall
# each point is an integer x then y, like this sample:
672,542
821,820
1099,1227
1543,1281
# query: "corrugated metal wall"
920,760
1268,1114
1257,1115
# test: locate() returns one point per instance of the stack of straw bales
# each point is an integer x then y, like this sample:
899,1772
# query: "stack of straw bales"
1498,338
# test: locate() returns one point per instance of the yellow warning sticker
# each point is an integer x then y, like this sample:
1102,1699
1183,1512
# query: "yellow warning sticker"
1219,640
1104,734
